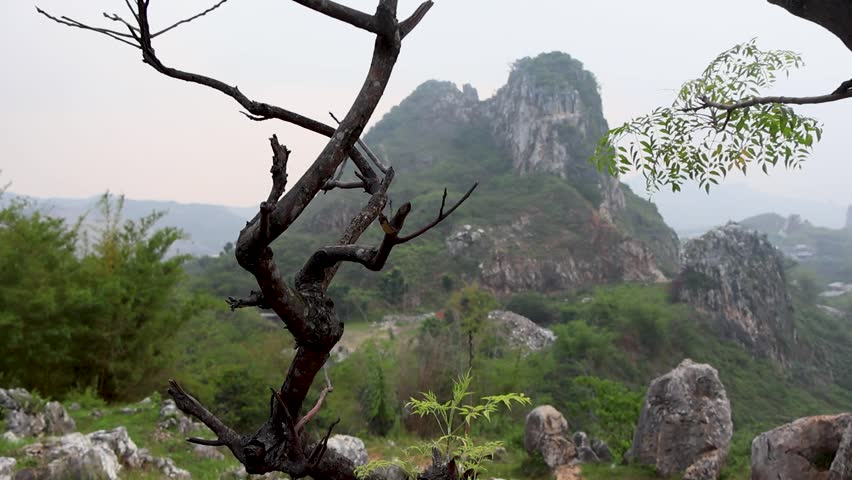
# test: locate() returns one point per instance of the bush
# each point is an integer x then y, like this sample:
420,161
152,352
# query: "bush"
534,306
239,399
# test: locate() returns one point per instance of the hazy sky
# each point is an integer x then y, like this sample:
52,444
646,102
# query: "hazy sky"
82,114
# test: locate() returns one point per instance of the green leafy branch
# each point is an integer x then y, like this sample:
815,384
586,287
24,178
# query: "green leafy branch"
455,418
717,124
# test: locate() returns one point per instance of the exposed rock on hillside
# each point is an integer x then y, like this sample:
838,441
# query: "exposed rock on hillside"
685,424
546,431
27,416
171,417
7,467
549,117
101,454
812,448
520,331
350,447
737,277
543,218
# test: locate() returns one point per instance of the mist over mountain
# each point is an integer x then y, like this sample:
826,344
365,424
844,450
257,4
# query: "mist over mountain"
207,227
693,211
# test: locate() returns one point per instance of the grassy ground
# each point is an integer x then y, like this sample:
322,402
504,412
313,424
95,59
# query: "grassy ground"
142,428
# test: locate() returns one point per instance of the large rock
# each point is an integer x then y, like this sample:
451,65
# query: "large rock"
546,432
7,467
520,331
74,456
350,447
685,423
57,420
812,448
585,453
98,455
207,452
737,277
27,416
172,418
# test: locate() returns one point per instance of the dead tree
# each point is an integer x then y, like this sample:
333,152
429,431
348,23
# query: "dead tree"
304,307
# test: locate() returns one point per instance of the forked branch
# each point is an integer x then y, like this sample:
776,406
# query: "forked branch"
842,92
373,258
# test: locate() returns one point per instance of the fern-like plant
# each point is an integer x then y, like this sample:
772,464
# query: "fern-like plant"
455,418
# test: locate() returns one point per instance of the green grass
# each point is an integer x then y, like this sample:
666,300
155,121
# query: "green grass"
141,427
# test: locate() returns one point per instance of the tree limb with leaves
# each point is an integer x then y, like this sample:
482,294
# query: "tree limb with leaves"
720,122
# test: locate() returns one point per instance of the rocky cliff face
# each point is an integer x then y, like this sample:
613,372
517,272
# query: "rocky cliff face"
545,121
737,277
543,218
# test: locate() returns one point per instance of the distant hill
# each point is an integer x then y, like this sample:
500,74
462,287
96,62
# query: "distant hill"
827,251
543,218
208,227
692,211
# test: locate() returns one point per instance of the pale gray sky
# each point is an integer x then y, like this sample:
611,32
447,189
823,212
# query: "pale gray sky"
81,113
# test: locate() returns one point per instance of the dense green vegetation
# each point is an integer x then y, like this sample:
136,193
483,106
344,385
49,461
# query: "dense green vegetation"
86,309
610,342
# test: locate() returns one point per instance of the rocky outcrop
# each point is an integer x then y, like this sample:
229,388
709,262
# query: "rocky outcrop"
27,416
98,455
463,238
685,424
737,277
350,447
543,123
546,432
812,448
514,263
7,467
172,418
591,450
207,452
519,331
549,117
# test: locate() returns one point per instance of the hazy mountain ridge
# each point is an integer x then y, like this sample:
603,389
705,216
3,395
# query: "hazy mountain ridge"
543,217
208,227
825,251
692,211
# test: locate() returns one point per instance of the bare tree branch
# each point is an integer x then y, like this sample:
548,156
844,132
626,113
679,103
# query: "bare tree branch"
408,25
255,299
187,20
134,30
332,184
844,87
441,214
833,15
121,37
280,156
353,17
225,435
312,412
382,168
